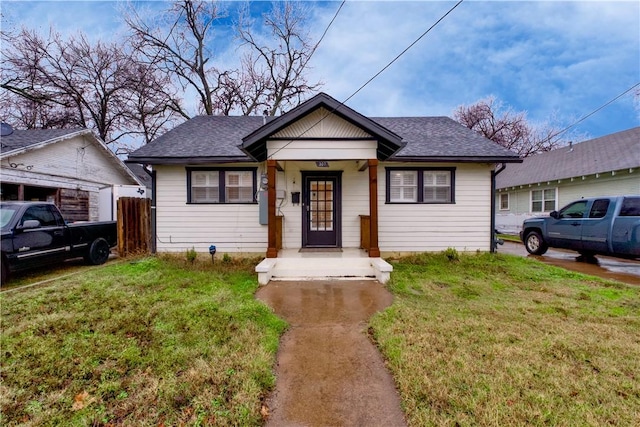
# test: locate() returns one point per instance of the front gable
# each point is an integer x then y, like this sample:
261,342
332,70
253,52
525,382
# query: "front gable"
321,128
76,156
321,135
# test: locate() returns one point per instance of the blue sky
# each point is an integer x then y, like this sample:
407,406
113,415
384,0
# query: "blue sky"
560,59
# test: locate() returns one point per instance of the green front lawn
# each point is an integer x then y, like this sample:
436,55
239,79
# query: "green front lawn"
158,341
507,341
471,340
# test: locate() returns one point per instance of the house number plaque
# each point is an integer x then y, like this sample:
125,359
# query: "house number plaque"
322,164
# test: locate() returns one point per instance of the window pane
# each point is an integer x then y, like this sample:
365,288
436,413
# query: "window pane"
40,213
630,206
205,187
549,205
442,179
437,187
599,208
403,186
574,210
238,186
543,200
504,201
205,195
395,194
536,206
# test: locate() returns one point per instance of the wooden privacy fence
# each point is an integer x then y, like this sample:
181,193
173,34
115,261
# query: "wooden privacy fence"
134,225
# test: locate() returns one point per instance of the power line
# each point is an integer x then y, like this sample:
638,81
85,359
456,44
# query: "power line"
326,30
403,52
606,104
372,78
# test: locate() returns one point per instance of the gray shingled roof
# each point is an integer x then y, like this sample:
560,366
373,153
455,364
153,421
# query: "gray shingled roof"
205,139
20,139
217,138
208,138
440,137
608,153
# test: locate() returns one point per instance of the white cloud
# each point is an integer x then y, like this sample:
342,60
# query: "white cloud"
542,57
545,57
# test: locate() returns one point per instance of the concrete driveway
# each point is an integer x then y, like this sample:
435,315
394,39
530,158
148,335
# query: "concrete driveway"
328,371
623,270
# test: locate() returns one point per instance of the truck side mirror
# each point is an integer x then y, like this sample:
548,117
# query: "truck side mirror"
30,223
554,214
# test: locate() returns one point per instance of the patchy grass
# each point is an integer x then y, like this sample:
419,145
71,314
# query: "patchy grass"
509,237
508,341
471,340
156,341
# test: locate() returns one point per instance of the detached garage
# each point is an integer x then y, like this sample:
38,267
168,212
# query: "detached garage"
66,166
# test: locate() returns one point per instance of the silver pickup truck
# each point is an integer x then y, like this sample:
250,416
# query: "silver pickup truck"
597,225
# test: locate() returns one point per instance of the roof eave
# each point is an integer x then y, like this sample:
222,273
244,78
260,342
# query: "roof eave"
188,160
456,159
559,179
40,144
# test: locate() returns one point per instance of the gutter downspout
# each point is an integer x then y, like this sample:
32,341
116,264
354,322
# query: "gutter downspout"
494,173
152,174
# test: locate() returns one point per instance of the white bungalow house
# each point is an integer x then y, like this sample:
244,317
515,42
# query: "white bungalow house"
322,182
605,166
69,167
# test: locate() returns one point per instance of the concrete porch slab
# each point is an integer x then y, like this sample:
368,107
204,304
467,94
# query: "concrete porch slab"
350,263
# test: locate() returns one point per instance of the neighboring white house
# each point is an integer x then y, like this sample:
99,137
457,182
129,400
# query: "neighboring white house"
66,166
322,177
605,166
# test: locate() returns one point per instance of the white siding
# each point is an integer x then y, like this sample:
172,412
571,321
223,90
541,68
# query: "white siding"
182,226
76,163
76,158
321,149
321,124
319,132
464,225
403,228
620,183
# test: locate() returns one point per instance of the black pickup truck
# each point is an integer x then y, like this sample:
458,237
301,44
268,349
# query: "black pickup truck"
35,234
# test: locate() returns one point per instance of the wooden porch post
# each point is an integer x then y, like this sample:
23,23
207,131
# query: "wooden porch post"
272,251
374,250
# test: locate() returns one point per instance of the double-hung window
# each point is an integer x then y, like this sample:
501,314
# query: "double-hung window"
223,185
543,200
504,201
420,185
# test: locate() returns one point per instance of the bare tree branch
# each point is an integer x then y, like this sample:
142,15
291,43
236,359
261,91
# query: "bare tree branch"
508,128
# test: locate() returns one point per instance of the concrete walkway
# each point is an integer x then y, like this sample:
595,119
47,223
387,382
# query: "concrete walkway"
328,371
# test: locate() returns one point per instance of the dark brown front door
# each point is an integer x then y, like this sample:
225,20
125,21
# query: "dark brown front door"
321,209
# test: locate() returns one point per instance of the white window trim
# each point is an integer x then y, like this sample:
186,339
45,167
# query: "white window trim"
555,200
500,202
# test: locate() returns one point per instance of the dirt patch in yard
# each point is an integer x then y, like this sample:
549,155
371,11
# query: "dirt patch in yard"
328,371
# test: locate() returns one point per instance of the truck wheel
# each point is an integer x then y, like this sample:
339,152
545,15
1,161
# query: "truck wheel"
98,252
535,244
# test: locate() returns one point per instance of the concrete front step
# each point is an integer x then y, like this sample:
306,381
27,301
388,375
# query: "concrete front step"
311,268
